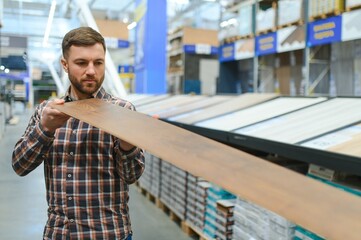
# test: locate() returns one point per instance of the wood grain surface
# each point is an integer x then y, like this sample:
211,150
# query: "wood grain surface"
327,211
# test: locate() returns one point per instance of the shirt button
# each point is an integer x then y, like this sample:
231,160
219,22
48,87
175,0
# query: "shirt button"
71,220
74,131
69,175
71,153
70,198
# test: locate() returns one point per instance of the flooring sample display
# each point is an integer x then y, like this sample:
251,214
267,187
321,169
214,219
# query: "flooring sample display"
169,103
203,103
149,100
309,122
239,102
136,97
258,113
345,141
335,213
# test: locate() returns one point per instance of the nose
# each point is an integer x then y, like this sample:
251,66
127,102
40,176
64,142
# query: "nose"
90,69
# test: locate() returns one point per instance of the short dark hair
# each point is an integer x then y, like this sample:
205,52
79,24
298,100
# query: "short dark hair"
82,36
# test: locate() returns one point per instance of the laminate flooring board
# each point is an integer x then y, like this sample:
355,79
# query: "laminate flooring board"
309,122
150,100
322,209
203,103
345,141
258,113
240,102
169,104
136,97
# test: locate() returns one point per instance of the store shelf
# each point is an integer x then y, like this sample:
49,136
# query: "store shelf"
261,112
239,102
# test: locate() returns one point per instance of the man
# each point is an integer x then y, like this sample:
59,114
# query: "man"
87,171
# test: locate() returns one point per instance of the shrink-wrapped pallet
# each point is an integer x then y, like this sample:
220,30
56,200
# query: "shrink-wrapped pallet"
266,19
245,20
353,3
289,11
322,7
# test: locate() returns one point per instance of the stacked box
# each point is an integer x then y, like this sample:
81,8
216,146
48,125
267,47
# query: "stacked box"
150,179
197,191
165,187
178,192
289,11
155,177
146,180
252,221
266,19
225,219
245,21
215,194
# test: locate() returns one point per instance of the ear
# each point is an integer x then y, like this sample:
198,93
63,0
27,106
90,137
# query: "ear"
64,64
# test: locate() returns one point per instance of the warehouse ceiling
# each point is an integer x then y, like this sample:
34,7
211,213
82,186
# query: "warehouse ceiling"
30,17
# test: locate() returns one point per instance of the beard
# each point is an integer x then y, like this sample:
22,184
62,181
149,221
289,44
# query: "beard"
86,88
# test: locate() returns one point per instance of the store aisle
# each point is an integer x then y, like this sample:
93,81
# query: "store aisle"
23,201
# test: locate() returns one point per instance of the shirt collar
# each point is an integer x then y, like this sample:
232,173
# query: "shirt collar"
100,93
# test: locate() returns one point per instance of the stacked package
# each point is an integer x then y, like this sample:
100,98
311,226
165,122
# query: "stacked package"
289,11
245,20
165,187
146,179
155,177
197,191
266,19
179,192
150,179
320,7
215,194
173,189
254,222
225,219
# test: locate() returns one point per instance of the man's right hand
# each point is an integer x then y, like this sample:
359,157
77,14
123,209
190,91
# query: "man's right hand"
52,119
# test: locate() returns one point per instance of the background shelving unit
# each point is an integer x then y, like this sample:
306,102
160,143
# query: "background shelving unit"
192,61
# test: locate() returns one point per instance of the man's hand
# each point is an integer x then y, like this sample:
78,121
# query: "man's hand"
51,119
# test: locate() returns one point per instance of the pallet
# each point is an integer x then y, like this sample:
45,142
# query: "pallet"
236,38
192,231
266,31
295,23
324,15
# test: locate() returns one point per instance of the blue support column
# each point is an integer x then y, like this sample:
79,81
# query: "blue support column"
150,46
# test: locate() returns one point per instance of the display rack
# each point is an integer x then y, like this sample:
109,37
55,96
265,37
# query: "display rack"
189,49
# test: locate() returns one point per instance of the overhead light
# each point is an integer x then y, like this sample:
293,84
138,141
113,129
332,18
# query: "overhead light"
49,23
132,25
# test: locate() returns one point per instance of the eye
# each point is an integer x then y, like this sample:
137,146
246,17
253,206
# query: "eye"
99,63
81,63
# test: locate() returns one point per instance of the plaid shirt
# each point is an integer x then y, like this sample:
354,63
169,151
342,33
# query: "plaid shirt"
86,175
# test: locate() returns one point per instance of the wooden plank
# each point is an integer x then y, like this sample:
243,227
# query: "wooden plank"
206,102
327,211
257,113
239,102
309,122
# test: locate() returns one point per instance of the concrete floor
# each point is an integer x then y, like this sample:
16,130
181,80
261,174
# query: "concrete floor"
23,201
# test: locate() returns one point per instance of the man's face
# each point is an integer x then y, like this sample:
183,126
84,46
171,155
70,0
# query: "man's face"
86,69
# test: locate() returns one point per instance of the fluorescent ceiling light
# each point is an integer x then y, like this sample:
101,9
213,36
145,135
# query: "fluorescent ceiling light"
132,25
50,21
